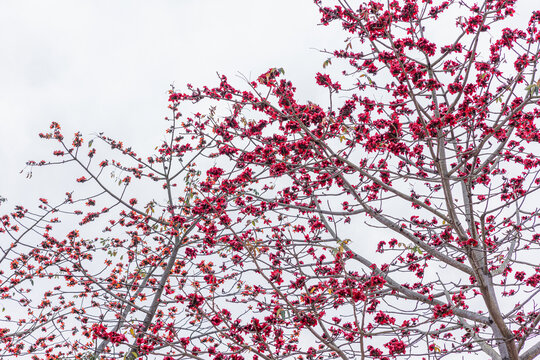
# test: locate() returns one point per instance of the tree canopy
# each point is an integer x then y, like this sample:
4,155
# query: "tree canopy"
399,219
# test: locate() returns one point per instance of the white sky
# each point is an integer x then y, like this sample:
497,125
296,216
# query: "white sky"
106,66
100,65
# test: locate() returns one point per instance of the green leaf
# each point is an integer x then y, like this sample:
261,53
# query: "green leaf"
326,63
416,249
533,88
282,313
90,143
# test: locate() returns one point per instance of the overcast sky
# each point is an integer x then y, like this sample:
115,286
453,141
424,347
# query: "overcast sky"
106,66
100,65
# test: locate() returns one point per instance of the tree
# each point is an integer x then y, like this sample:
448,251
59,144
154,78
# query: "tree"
399,220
